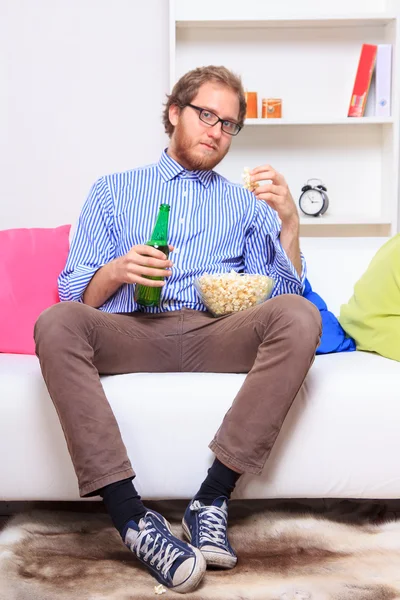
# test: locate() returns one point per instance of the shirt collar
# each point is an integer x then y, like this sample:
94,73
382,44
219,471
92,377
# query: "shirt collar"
169,169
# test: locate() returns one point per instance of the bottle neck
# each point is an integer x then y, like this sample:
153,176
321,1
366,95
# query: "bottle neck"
160,231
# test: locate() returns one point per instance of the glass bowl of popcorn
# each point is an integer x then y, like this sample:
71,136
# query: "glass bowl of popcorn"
225,293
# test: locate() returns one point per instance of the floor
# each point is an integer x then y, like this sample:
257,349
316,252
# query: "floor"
8,509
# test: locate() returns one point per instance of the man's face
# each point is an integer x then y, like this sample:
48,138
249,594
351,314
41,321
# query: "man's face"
195,144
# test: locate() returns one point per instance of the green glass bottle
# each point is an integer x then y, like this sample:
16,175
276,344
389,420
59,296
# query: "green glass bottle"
150,296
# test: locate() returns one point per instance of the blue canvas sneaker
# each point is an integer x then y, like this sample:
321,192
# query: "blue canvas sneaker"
174,563
206,528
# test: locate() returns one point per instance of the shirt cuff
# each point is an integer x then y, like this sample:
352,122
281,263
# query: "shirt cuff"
71,286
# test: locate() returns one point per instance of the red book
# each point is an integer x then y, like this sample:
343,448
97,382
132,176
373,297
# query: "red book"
362,82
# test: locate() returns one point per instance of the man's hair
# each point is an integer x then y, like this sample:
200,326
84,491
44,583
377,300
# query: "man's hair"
185,90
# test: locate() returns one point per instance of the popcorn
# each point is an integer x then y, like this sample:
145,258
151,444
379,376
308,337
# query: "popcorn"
159,589
225,293
246,179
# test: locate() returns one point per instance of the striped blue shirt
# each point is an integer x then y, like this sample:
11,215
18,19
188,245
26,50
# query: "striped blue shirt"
216,226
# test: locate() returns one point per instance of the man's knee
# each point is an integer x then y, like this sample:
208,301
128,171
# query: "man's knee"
53,321
298,315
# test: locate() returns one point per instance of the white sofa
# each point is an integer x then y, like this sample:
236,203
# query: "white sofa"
340,440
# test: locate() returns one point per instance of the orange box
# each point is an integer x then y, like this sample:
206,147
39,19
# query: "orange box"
251,104
271,108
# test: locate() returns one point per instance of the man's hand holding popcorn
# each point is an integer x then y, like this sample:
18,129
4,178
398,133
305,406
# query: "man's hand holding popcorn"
276,193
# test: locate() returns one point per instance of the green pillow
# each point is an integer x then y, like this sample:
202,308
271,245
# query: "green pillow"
372,315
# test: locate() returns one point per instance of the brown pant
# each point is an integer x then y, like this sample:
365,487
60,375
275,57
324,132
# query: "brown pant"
274,343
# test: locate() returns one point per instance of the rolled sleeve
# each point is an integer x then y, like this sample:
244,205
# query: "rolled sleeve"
71,285
264,253
92,245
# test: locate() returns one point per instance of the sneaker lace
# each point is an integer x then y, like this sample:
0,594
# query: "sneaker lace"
212,523
150,544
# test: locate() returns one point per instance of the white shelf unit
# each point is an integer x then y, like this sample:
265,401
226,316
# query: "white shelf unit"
310,62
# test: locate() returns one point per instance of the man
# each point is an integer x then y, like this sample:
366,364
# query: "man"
215,226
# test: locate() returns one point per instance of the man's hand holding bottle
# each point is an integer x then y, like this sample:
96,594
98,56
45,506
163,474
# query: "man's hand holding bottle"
142,260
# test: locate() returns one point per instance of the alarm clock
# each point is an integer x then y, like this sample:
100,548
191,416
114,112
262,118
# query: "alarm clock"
314,200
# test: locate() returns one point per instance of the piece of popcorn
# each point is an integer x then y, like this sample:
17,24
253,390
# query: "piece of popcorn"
159,589
246,180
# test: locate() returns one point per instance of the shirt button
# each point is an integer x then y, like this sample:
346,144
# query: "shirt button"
181,221
177,250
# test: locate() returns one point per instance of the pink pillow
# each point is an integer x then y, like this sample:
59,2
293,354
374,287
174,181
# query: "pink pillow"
30,262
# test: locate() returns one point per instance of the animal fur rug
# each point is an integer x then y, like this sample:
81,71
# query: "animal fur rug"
47,555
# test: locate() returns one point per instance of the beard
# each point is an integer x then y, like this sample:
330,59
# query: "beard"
192,155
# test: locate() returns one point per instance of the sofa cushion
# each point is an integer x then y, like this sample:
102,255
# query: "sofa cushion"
372,315
31,260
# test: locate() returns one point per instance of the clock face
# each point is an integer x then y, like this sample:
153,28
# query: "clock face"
311,202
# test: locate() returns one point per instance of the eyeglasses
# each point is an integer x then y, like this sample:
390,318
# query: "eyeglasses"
210,118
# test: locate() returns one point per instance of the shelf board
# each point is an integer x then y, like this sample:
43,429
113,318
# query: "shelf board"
322,121
188,19
350,220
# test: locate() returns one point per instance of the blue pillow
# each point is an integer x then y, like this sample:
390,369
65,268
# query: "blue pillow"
334,338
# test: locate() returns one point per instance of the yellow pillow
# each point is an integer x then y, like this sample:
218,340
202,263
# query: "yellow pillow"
372,315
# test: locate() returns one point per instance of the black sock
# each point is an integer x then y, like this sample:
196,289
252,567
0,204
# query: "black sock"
123,503
220,481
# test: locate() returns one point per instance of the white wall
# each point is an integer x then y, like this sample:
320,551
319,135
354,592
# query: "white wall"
81,93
